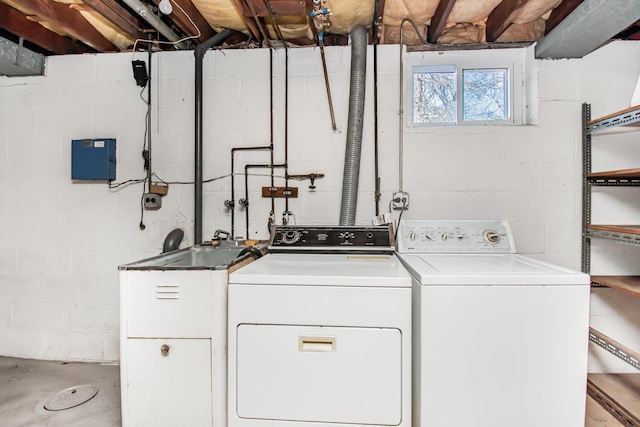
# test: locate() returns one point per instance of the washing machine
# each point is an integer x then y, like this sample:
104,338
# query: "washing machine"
320,331
500,340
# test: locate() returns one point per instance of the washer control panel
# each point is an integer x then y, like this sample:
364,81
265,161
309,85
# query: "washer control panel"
331,239
430,236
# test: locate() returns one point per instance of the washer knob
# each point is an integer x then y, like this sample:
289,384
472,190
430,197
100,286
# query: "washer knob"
444,236
491,237
412,236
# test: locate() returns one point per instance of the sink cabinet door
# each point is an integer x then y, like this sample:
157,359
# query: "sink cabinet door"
173,304
168,383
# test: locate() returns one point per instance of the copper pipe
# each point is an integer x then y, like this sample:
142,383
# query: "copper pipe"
326,83
286,98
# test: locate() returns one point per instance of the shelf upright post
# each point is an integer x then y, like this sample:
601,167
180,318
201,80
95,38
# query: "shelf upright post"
586,188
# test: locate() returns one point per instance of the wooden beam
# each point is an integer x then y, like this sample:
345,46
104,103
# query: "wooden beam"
280,8
559,13
181,19
501,17
70,21
439,20
250,23
118,16
15,22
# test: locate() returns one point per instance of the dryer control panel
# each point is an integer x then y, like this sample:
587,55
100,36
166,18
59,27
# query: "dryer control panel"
336,239
432,236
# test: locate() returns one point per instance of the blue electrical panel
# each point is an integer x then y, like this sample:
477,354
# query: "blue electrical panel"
93,159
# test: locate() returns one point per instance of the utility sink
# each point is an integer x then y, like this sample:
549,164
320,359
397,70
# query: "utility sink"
173,334
198,257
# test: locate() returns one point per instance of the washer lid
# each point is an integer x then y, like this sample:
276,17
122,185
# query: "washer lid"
324,270
489,269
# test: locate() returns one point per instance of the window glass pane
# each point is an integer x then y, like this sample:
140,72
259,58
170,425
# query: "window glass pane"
485,94
434,97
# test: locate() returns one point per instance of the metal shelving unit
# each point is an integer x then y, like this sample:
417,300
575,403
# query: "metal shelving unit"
627,234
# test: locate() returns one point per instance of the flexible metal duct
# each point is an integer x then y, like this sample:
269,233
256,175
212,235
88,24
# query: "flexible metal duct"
200,51
354,126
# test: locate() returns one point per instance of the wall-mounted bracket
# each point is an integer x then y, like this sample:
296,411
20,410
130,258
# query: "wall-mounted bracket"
280,192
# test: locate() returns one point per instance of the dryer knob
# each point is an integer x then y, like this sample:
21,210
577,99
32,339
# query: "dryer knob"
290,237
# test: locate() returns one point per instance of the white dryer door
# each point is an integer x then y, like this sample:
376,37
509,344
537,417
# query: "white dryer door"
319,374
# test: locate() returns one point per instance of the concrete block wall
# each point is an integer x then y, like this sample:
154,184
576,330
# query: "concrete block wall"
58,271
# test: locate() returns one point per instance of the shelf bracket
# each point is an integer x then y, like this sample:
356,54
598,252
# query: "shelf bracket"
614,236
615,348
626,418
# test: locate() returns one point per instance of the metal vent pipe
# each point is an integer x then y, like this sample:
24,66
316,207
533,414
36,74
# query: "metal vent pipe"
200,51
354,126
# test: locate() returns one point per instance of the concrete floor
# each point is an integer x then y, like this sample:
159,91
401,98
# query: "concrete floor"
26,385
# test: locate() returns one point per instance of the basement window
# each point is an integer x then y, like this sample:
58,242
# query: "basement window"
451,95
464,88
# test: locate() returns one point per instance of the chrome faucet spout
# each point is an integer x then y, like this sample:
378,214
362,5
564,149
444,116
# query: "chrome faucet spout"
226,234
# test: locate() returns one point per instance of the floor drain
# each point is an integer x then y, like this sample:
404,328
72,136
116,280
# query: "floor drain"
70,398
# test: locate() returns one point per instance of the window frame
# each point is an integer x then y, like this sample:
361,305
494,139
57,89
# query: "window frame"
510,59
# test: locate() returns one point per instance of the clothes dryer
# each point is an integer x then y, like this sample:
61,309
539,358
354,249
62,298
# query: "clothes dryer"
320,332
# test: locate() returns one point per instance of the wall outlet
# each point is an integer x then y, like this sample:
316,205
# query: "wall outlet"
400,201
152,201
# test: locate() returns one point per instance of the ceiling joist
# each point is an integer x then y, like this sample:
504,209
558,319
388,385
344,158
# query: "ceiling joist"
17,23
75,26
68,20
252,23
119,16
279,7
439,20
560,13
181,15
501,17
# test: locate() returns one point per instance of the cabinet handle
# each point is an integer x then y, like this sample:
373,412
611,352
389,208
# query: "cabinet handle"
164,350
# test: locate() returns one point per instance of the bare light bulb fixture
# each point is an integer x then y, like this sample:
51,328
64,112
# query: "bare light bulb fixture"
165,7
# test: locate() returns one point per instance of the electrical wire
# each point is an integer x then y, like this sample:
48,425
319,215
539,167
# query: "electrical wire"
135,43
395,236
404,208
124,183
128,182
215,178
141,225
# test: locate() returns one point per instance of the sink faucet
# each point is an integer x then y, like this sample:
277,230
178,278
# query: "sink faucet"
218,232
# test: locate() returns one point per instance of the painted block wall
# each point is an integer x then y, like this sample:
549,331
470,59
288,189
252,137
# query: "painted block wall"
64,240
